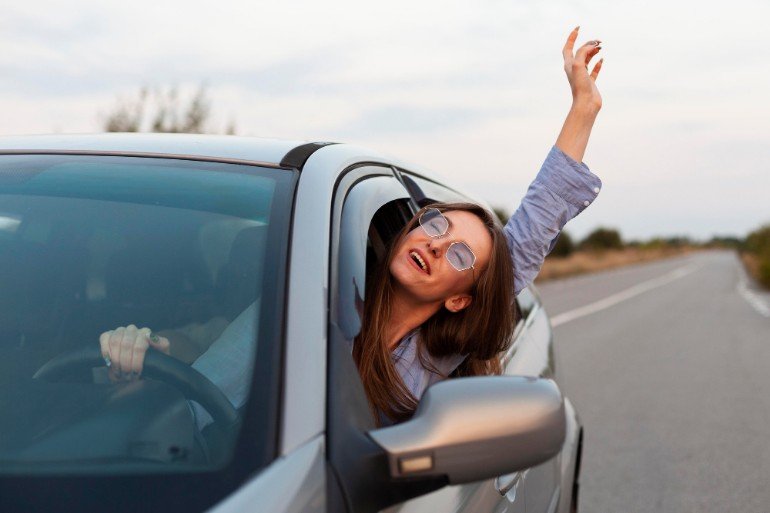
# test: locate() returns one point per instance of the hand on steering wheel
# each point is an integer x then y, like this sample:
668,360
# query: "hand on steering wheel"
124,350
193,385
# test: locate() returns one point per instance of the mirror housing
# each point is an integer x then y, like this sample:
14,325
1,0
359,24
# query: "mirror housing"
475,428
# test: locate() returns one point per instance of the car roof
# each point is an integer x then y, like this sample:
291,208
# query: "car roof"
227,147
252,150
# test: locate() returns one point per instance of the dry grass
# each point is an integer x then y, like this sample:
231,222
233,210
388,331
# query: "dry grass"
582,262
752,264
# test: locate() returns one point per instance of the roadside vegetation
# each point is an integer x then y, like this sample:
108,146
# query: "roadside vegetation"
756,255
604,249
163,110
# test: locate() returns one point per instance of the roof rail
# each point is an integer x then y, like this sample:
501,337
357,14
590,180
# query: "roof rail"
297,157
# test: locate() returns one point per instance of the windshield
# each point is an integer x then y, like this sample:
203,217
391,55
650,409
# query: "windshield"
189,250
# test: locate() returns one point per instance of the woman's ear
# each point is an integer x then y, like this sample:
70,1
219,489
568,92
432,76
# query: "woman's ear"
458,302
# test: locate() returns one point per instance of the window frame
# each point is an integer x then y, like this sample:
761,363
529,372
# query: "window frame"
360,475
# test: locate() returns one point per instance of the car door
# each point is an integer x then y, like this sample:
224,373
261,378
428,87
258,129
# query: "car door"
532,355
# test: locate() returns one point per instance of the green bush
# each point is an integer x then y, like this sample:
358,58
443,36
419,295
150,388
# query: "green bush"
502,214
724,242
602,238
654,243
564,247
758,243
764,272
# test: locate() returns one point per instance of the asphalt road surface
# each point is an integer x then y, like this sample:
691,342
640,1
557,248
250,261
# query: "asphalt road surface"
668,364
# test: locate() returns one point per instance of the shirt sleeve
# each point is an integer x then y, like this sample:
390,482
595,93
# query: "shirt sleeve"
227,363
561,190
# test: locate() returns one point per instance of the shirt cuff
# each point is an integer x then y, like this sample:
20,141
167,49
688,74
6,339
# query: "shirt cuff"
569,179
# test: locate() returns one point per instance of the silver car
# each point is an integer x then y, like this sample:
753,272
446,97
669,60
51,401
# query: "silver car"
252,255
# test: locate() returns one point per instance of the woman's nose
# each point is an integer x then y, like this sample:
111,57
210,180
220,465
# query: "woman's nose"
436,247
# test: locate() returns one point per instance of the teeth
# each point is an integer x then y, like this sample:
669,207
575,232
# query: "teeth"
419,260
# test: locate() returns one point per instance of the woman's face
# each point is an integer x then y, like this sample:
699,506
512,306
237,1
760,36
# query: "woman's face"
441,282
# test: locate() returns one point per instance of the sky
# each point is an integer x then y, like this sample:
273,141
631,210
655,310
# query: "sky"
475,91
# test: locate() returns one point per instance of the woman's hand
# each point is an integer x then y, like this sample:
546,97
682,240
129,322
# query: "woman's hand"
584,90
124,349
586,100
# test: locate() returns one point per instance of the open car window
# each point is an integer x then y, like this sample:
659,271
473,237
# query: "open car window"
374,210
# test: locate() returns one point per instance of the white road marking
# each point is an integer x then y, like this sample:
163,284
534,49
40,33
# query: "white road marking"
751,298
614,299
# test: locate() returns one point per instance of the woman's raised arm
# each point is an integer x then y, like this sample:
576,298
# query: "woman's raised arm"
565,186
586,100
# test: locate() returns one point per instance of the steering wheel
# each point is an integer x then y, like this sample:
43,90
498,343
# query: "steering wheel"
193,385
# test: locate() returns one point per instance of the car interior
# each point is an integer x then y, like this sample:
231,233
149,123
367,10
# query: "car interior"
72,268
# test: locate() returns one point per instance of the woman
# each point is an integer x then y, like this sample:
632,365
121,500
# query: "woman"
441,304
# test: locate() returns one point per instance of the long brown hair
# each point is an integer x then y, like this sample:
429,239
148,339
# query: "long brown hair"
482,330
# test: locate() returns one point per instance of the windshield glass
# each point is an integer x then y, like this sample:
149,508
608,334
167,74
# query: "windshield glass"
185,252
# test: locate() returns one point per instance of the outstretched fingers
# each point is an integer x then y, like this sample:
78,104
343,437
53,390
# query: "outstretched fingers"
570,44
597,69
586,52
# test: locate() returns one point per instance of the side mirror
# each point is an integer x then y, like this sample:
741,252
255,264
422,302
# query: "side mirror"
469,429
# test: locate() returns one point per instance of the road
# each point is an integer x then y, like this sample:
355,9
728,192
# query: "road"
668,364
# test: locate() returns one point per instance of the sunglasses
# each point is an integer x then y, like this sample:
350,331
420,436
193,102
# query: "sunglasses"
435,225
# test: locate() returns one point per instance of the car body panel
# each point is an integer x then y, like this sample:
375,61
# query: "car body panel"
294,483
533,357
247,149
305,349
568,457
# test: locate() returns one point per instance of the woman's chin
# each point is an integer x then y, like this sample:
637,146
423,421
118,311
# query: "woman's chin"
408,283
406,272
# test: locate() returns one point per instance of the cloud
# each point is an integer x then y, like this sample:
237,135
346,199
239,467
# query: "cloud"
454,86
411,119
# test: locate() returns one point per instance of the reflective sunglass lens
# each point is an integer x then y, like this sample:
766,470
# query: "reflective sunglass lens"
460,256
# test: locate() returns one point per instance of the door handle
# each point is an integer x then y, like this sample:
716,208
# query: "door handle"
506,483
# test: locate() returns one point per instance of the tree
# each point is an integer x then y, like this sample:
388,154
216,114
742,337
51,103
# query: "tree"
758,243
502,214
564,246
161,111
724,242
602,238
127,115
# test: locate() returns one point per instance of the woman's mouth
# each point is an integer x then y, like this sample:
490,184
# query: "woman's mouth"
419,261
